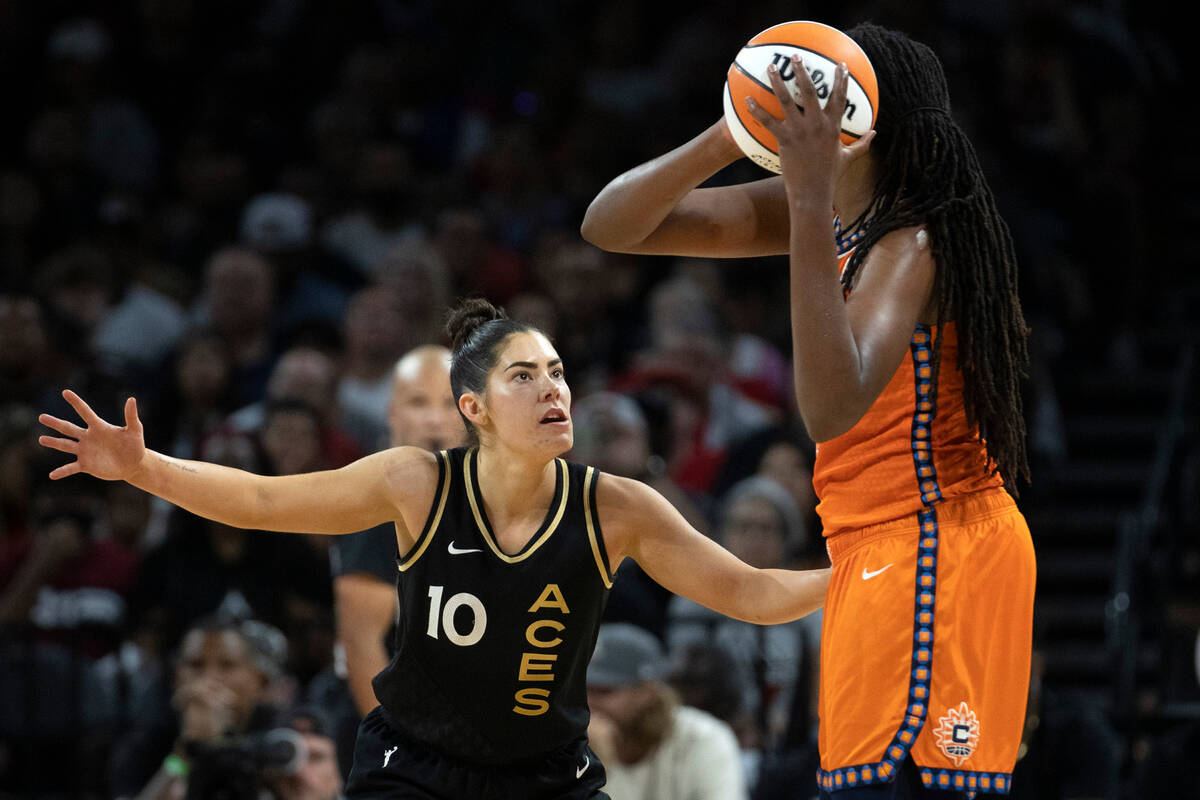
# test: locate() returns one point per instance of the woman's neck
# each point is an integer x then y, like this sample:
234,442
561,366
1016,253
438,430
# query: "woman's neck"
853,194
513,485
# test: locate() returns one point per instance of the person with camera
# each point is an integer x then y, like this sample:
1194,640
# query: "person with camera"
220,692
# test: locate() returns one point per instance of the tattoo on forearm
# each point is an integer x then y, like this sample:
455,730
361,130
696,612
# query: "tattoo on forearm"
177,465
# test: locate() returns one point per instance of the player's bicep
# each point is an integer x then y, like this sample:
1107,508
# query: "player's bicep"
740,221
679,558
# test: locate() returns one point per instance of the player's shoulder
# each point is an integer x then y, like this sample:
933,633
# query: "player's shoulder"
413,468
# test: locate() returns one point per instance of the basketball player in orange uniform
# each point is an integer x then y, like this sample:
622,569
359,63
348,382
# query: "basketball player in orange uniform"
908,346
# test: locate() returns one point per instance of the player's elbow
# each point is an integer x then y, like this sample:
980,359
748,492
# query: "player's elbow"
595,232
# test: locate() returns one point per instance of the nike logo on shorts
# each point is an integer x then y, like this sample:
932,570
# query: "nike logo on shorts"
867,574
457,551
586,763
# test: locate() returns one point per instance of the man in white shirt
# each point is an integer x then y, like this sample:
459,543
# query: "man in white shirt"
653,748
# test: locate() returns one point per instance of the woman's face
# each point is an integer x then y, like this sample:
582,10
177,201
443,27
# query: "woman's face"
786,464
203,372
753,532
292,441
222,657
527,404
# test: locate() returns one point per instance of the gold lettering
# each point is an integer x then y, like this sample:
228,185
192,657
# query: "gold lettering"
538,663
531,632
551,597
531,702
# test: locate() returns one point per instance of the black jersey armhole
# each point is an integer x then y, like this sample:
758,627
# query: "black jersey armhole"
595,535
436,509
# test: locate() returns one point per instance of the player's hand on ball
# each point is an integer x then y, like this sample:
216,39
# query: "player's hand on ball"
810,149
106,451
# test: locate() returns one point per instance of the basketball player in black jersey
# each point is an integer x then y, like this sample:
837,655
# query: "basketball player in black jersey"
508,555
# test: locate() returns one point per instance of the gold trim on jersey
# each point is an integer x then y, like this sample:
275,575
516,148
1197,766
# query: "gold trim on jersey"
483,525
592,526
435,517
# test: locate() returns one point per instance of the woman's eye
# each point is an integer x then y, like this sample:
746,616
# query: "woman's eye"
558,373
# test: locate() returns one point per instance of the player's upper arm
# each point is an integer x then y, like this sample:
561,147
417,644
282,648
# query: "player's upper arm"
638,522
740,221
360,495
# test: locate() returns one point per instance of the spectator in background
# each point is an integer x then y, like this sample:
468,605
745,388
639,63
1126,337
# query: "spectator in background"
760,524
26,359
196,393
239,300
204,568
421,413
313,287
653,748
380,217
475,262
311,375
420,288
686,361
317,776
612,433
375,337
223,672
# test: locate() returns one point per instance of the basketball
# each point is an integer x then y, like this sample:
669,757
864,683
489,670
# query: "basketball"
821,48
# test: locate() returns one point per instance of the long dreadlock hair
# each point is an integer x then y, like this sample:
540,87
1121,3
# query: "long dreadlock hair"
930,175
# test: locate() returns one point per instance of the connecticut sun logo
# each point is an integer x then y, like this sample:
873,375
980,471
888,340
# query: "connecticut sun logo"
958,733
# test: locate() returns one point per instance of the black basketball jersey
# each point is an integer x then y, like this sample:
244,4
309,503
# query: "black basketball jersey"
492,649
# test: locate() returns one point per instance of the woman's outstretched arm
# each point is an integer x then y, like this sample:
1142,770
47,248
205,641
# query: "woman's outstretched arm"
638,522
353,498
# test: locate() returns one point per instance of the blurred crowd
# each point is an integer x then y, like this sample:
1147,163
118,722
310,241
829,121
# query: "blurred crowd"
243,213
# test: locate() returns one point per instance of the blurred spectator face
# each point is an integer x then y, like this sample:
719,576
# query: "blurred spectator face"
291,438
305,374
422,411
240,291
461,239
223,658
203,371
682,322
611,433
753,532
23,333
18,449
318,777
624,705
415,277
128,512
373,327
575,279
536,310
788,466
79,283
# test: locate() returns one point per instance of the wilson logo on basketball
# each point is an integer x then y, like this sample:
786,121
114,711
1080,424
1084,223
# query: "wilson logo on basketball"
958,733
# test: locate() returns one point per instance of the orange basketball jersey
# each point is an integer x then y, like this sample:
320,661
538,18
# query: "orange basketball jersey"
927,628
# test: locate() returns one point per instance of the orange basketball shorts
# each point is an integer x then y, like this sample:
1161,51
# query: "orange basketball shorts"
925,647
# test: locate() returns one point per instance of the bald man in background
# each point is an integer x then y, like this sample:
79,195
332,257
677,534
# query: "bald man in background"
422,413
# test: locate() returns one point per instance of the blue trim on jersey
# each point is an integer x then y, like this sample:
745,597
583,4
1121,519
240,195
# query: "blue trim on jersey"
921,667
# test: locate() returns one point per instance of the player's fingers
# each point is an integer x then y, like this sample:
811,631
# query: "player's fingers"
131,416
786,100
54,443
83,409
61,425
837,97
65,470
764,117
804,84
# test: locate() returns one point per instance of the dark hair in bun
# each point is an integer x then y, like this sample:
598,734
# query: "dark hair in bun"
476,330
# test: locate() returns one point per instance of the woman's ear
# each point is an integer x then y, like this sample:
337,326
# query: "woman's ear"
472,407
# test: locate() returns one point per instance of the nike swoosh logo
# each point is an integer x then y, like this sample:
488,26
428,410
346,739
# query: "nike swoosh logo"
579,772
867,575
455,551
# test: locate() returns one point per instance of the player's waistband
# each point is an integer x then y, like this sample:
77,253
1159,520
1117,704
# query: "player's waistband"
961,510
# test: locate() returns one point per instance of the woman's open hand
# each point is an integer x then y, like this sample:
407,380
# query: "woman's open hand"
106,451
